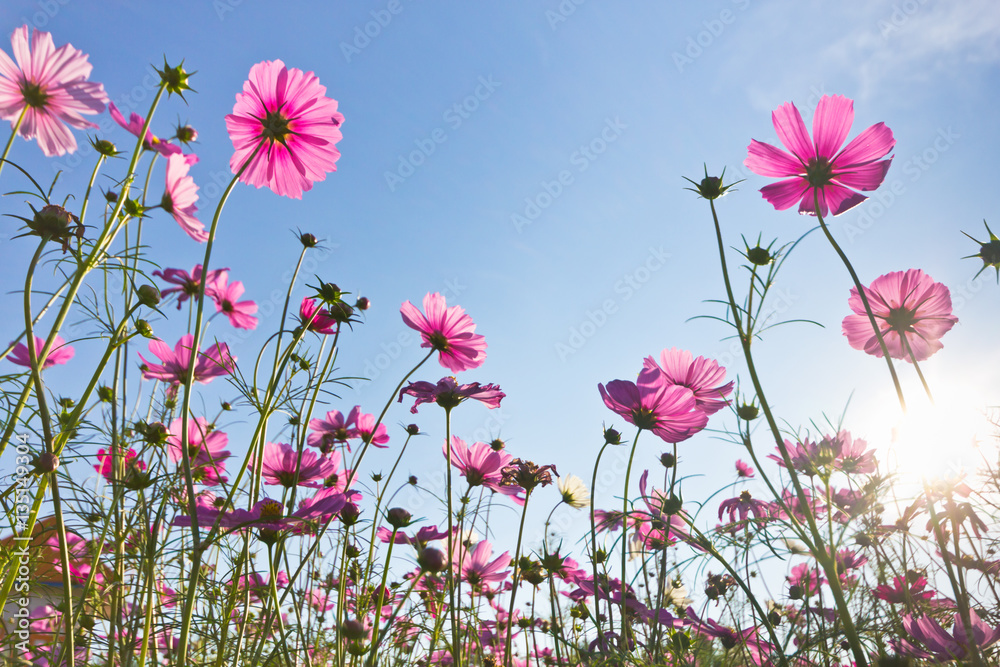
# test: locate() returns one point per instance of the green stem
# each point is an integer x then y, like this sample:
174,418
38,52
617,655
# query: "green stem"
623,640
508,653
593,548
864,301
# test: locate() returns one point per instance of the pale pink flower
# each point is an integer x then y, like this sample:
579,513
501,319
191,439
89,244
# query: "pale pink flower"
702,376
668,410
104,462
50,86
151,142
188,284
448,330
942,646
477,568
181,194
815,165
479,464
59,354
285,465
284,112
365,424
207,451
449,394
912,311
333,429
213,362
744,470
225,295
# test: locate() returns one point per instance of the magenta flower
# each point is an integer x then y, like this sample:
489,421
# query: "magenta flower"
180,195
282,464
699,375
365,425
225,295
904,589
49,86
807,579
478,569
668,410
206,448
744,470
188,284
728,637
104,462
816,168
913,312
420,540
447,330
213,362
151,142
479,464
284,123
316,318
744,505
942,646
448,393
59,354
333,429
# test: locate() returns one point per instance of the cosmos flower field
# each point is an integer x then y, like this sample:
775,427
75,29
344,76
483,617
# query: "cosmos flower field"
287,547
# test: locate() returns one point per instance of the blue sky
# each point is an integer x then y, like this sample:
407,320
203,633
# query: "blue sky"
461,118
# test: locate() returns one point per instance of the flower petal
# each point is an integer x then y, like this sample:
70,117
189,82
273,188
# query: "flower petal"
831,122
872,144
792,131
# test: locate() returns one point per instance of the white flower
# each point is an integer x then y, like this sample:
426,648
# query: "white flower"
574,491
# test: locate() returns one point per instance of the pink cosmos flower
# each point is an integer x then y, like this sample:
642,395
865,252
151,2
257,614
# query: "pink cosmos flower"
59,354
744,505
317,317
49,86
478,569
420,540
188,284
939,644
284,112
448,393
181,194
699,375
225,295
913,312
365,424
104,462
151,142
448,330
904,590
213,362
815,165
668,410
479,464
206,449
806,578
744,470
282,464
331,430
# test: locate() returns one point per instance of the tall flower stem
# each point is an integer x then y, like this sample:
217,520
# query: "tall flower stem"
455,577
593,547
819,551
508,653
623,640
864,299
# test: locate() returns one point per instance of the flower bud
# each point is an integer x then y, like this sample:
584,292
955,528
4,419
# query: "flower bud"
497,445
612,437
795,592
747,412
398,518
174,79
353,629
148,295
308,240
667,460
45,462
759,256
143,328
105,147
111,197
352,551
376,477
774,618
413,480
186,134
432,560
363,303
412,429
350,514
105,394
